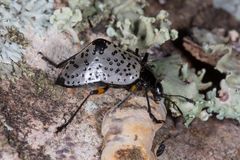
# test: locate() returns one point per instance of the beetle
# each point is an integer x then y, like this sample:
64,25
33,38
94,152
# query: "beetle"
104,62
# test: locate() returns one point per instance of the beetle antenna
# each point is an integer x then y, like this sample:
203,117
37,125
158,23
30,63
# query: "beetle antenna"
173,103
122,101
171,95
60,128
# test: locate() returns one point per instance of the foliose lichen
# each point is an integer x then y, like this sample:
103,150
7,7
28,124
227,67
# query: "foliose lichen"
17,19
78,16
187,84
224,102
134,30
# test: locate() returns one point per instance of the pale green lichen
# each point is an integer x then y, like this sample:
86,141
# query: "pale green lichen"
26,15
10,54
17,19
186,84
229,64
65,19
225,102
79,16
227,105
138,31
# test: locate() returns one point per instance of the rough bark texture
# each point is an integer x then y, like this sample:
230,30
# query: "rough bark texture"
32,107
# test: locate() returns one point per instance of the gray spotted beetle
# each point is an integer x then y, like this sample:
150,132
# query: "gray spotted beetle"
104,62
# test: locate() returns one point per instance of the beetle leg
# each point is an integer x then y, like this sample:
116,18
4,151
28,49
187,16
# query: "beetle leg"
149,110
93,92
122,101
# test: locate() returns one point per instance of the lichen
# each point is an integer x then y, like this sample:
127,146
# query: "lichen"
226,105
18,19
79,16
134,30
224,102
65,19
26,15
187,84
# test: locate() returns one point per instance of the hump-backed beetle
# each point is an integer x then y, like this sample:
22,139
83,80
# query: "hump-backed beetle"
104,62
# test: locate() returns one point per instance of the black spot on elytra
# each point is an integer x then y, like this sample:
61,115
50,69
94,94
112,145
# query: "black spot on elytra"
72,76
115,60
87,50
108,59
75,65
111,69
129,64
110,63
118,64
133,66
114,53
82,55
86,62
106,68
123,56
96,59
117,70
122,61
85,69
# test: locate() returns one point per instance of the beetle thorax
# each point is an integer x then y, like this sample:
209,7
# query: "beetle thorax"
147,78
